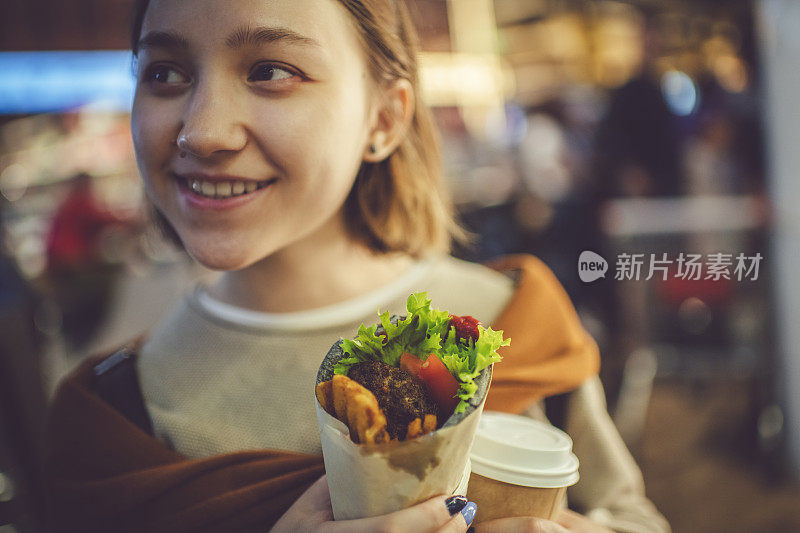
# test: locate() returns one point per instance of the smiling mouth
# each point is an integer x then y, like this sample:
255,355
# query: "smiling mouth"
224,189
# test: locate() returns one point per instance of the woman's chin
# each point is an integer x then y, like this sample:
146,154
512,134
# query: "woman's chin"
225,259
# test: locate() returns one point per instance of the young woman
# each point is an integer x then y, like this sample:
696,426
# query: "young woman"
283,143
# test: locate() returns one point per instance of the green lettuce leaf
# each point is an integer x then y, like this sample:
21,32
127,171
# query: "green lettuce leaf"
424,332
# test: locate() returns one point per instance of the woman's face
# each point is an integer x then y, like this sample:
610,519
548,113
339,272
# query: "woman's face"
250,121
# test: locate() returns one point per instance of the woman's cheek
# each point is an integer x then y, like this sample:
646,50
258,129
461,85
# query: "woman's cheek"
325,139
292,141
293,122
153,142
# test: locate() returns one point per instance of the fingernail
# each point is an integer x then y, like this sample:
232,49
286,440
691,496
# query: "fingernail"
468,512
455,504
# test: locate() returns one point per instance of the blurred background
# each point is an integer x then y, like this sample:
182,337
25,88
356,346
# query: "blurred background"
621,127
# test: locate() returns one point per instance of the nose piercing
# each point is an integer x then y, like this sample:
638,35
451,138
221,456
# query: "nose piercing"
182,142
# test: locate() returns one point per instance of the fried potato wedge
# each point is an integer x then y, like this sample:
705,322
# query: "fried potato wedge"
366,420
419,427
356,406
339,384
429,424
324,391
414,429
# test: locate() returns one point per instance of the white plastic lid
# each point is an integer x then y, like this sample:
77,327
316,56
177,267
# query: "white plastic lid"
523,451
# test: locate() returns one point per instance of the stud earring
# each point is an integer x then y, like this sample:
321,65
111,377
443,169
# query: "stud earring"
372,149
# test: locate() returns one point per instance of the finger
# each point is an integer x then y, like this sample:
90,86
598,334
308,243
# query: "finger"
568,518
577,522
456,524
317,498
319,490
312,509
427,516
519,523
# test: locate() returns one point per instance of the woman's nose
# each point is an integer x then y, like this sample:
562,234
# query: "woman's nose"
211,125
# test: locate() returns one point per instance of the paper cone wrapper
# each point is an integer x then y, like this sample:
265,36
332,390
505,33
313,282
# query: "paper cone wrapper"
372,480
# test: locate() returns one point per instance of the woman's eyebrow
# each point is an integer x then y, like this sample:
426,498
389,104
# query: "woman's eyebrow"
237,39
162,39
263,34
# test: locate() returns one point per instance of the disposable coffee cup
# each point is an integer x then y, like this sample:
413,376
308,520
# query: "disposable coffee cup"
520,467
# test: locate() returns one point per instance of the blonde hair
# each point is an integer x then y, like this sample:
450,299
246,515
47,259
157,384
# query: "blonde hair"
399,204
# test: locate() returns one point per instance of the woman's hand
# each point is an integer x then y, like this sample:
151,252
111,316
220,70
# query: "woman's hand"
567,521
579,523
520,524
312,512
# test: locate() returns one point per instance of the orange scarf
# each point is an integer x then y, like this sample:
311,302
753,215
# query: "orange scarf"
106,474
550,352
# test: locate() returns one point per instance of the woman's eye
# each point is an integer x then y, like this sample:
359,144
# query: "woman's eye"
165,75
271,72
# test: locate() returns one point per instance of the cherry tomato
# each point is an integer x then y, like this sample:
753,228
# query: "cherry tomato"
466,327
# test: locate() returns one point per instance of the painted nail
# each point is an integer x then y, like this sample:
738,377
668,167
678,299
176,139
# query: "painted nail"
468,512
455,504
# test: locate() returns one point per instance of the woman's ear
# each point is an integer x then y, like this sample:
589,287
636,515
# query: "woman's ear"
390,122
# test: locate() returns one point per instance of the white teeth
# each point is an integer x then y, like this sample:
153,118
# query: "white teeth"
223,189
208,188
